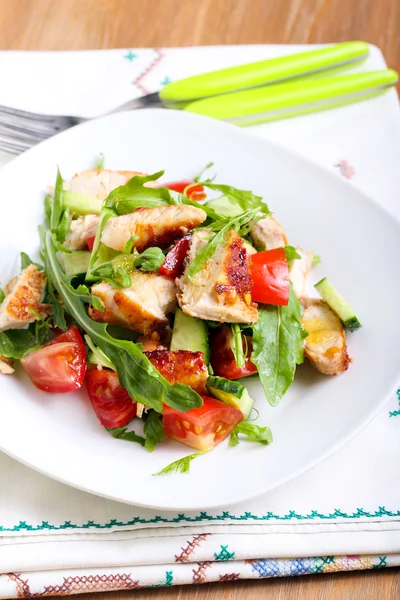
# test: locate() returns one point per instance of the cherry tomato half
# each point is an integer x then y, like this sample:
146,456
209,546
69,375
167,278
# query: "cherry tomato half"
60,366
270,274
90,242
111,402
222,358
203,427
194,193
174,262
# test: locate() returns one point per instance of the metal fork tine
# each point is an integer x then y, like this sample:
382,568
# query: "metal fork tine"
8,129
28,124
25,114
14,146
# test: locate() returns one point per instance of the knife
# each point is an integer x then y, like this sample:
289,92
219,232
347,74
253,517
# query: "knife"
262,73
299,97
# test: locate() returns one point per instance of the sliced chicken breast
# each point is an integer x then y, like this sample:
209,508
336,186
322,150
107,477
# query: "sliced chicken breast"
80,230
98,183
299,270
143,307
268,234
158,226
23,295
221,291
181,366
325,346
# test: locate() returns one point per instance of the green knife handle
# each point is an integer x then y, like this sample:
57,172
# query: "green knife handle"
264,72
289,99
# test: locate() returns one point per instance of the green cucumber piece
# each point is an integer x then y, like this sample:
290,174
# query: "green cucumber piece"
190,334
338,304
223,206
232,393
75,262
81,205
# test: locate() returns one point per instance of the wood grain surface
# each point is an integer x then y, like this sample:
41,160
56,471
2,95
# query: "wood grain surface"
89,24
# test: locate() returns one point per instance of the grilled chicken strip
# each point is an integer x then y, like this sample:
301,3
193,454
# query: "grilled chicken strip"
268,234
143,307
299,270
158,226
98,183
181,366
23,295
221,291
80,230
325,347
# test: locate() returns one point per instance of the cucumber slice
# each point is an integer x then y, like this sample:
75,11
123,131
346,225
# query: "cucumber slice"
338,304
191,334
232,393
81,205
224,207
76,262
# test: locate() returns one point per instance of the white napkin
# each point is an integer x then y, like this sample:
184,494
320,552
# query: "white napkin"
55,539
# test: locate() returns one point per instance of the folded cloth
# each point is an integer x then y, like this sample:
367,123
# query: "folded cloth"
58,540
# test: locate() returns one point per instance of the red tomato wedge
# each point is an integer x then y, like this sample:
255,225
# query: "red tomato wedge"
111,402
270,274
173,264
194,193
90,242
203,427
222,358
60,366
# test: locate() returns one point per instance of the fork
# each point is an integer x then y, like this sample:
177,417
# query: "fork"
20,129
246,94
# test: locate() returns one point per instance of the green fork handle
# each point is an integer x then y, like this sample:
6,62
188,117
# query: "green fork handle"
264,72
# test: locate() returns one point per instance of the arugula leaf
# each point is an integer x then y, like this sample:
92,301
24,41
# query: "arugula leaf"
95,257
100,161
64,226
26,261
56,206
237,344
82,292
153,430
150,259
278,346
97,356
121,433
57,310
218,239
253,433
15,343
41,329
182,465
136,373
316,259
129,244
47,210
134,194
118,271
238,200
291,253
200,176
2,295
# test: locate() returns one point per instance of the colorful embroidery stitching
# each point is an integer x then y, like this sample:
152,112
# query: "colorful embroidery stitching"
359,513
224,554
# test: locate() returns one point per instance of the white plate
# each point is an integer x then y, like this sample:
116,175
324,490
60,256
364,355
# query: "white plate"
360,249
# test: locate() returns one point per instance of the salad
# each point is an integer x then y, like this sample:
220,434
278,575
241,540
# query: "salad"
159,299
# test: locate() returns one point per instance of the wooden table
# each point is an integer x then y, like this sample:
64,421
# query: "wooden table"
87,24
